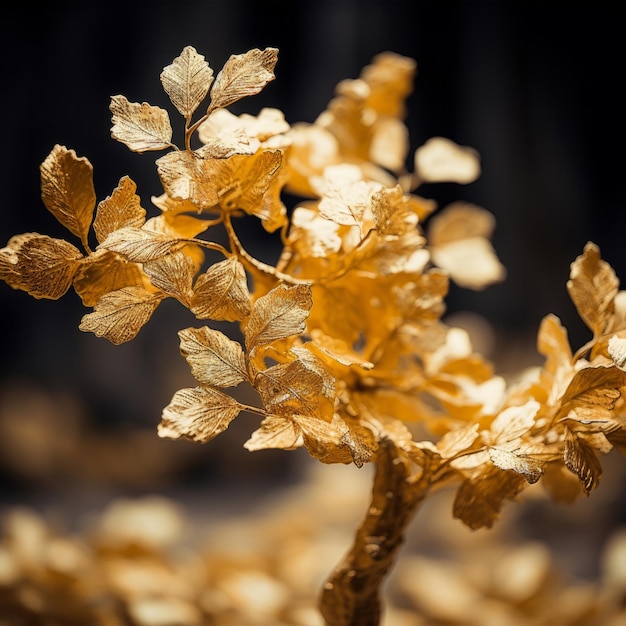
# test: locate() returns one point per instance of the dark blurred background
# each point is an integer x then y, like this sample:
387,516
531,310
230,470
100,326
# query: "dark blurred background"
534,87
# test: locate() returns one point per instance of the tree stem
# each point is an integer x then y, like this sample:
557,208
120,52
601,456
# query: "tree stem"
351,596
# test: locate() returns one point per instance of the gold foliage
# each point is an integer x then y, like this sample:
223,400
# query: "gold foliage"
104,272
214,358
279,314
40,265
459,242
198,414
67,190
221,293
243,75
358,283
141,127
442,160
122,208
119,315
593,287
187,81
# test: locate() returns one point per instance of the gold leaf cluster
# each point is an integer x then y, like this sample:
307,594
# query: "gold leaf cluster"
342,339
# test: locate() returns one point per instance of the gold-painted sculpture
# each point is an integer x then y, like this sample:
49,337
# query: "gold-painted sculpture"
342,339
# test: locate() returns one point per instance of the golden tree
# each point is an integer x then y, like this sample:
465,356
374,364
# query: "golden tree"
342,339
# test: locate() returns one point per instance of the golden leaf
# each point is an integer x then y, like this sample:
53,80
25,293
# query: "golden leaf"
221,293
556,374
460,220
290,388
381,411
393,215
360,441
120,315
442,160
275,432
390,79
472,263
312,362
141,127
472,365
552,340
582,461
67,190
187,81
479,500
593,391
463,399
527,465
619,315
215,360
103,272
457,440
174,275
345,197
266,125
279,314
330,442
459,242
325,440
389,144
592,286
198,414
595,433
243,75
423,207
122,208
139,245
40,265
512,423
